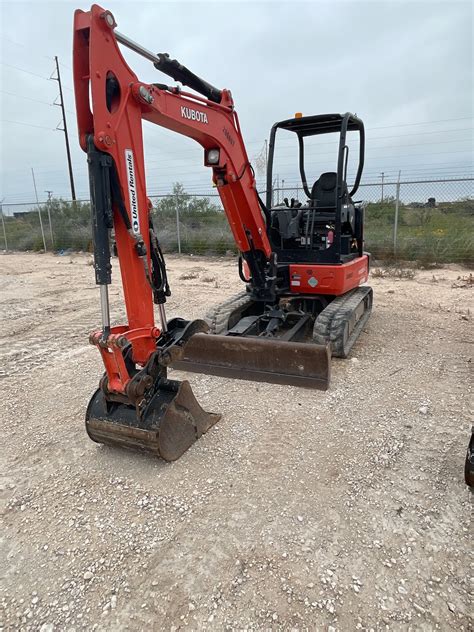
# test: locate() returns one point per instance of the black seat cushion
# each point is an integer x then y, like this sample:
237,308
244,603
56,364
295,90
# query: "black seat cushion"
323,193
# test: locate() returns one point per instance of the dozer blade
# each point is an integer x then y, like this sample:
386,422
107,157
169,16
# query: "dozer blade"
171,422
257,359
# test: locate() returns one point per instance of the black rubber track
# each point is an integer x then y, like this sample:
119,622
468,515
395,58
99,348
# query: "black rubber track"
218,317
338,323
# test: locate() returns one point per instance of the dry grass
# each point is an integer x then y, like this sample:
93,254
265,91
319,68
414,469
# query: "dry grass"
393,273
192,273
464,281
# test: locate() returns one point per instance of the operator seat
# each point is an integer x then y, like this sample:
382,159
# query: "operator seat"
323,202
323,193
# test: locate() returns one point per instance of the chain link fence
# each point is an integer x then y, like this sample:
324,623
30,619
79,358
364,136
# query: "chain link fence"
428,221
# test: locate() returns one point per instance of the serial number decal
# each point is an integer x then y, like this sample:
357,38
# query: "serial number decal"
228,136
132,191
193,115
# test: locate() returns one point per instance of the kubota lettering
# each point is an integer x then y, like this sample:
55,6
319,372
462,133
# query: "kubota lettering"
193,115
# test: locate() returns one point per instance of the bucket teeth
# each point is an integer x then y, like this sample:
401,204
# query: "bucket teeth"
171,422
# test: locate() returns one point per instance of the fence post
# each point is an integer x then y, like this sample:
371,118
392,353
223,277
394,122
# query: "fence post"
395,223
178,234
3,224
49,218
39,210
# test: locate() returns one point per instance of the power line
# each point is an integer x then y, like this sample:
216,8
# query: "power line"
20,96
463,118
28,72
166,153
34,74
312,152
49,57
438,131
449,120
24,46
168,134
154,164
436,142
282,164
7,39
51,129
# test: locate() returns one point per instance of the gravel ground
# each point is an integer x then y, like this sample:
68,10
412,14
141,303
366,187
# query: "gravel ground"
301,510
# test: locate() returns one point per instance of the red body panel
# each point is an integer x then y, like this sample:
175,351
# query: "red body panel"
333,280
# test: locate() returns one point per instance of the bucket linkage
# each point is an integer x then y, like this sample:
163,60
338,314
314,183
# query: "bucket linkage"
156,414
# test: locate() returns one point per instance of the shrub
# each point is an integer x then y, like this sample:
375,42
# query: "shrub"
428,235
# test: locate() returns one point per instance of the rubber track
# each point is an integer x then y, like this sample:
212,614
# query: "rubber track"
330,324
218,317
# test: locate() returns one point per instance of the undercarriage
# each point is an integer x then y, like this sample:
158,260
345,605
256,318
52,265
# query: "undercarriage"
323,320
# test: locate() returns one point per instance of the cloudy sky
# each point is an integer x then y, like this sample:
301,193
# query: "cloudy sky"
406,68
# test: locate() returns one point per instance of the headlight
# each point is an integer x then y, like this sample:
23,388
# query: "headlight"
212,156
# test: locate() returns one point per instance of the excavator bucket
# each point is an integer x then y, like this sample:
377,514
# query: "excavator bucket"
257,359
169,424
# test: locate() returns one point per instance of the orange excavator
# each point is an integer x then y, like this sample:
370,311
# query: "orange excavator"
302,262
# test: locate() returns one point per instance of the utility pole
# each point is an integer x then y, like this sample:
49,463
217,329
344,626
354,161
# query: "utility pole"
64,129
50,193
3,224
382,175
39,210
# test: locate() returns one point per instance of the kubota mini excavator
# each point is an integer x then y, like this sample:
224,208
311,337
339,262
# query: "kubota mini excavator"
302,263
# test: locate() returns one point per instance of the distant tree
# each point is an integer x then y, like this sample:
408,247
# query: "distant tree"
185,202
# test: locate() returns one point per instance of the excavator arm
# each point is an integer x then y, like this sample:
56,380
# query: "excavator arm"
136,404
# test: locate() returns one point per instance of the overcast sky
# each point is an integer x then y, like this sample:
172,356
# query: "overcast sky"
406,68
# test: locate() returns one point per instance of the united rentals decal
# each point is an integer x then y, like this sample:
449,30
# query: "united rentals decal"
193,115
132,191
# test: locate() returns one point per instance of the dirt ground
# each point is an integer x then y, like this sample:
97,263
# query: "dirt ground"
300,510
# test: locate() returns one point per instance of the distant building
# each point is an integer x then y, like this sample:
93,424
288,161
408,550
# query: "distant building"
22,214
